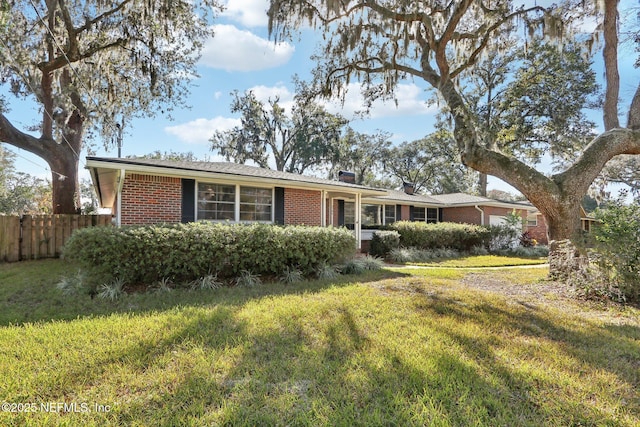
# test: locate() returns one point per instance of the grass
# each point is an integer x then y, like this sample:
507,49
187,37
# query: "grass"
480,261
406,347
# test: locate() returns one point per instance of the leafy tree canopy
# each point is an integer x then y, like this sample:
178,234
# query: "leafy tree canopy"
296,140
86,63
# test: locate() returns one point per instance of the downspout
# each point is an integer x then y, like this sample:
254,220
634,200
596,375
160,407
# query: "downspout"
479,209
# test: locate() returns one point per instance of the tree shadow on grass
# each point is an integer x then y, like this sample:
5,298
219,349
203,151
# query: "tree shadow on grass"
582,348
326,364
33,297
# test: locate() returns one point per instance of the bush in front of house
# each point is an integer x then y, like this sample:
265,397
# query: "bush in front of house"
616,252
461,237
186,252
383,242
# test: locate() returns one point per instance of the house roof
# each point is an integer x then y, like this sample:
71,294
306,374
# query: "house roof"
463,199
106,175
411,199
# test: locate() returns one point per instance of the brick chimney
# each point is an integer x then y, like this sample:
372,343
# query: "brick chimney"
408,187
345,176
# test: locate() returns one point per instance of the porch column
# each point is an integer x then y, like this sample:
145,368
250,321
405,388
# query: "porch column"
323,207
358,215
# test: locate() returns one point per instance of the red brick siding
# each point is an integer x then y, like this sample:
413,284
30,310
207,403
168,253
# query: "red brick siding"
539,232
468,215
303,207
405,213
149,199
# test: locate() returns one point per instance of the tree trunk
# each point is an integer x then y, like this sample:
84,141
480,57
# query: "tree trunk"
564,232
64,182
482,184
62,159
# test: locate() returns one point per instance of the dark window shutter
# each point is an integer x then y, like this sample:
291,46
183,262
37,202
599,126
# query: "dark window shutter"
188,200
411,214
398,212
279,206
440,213
340,213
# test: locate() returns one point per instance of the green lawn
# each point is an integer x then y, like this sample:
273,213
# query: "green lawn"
404,347
481,261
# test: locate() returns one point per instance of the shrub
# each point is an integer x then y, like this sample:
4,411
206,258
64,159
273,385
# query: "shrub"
186,252
461,237
539,251
617,250
502,237
383,242
404,255
527,241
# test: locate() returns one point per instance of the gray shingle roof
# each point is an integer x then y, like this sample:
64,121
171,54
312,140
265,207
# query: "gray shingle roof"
229,169
401,196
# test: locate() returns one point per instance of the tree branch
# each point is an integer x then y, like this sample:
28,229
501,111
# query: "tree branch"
11,135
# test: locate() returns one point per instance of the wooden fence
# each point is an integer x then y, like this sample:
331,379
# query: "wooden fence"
41,236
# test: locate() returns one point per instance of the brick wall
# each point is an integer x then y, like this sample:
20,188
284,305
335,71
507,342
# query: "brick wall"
405,213
539,232
148,199
468,215
303,207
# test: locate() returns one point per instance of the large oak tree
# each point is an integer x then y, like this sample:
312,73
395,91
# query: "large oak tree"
305,137
88,63
382,42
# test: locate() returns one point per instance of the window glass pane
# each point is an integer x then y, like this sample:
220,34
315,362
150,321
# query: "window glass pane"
419,214
371,215
350,215
255,204
389,214
216,202
432,215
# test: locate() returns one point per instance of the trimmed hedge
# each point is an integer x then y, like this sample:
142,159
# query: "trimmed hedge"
186,252
462,237
383,242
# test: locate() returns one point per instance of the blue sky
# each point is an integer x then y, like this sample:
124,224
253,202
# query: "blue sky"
241,57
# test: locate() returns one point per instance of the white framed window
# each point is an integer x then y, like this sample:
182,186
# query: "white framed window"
432,215
216,202
532,220
256,204
389,214
371,214
428,215
232,202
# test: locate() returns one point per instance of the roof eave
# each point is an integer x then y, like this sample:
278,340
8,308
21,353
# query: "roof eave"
181,172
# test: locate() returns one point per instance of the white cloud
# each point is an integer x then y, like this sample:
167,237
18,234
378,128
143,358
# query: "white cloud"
250,13
410,102
232,49
281,92
200,130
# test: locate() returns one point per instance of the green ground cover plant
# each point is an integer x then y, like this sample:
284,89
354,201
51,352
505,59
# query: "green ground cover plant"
409,347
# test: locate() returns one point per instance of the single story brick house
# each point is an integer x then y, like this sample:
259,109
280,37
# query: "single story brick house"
149,191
